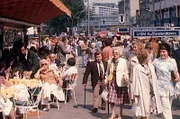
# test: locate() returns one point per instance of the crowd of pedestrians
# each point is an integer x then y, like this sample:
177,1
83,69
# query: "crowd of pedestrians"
143,73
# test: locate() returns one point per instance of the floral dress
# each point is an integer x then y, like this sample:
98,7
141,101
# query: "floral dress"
164,68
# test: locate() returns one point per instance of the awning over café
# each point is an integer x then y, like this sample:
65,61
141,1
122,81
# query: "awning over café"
19,13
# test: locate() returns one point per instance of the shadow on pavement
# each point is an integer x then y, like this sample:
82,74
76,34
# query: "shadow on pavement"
90,90
176,116
106,116
88,107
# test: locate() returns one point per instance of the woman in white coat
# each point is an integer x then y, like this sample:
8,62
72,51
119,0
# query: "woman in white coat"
118,90
145,86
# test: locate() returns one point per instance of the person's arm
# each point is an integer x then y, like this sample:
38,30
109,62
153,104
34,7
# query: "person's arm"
126,72
135,82
35,63
38,73
176,73
58,80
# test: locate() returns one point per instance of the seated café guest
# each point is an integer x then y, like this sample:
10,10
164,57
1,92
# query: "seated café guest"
53,60
21,93
52,84
53,63
5,104
7,107
145,86
28,61
71,70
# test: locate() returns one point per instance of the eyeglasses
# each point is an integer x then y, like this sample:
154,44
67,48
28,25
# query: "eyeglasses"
43,64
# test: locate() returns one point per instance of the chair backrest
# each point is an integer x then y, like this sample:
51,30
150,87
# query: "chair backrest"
72,80
73,76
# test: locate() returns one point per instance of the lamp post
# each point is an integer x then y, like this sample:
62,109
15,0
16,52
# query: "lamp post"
88,17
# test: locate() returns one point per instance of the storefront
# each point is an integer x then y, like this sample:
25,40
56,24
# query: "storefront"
16,14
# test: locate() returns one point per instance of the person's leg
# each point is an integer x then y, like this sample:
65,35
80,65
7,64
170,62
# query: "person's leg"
166,107
12,114
112,111
121,110
95,98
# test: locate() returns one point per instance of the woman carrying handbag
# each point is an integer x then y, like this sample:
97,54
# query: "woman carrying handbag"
145,87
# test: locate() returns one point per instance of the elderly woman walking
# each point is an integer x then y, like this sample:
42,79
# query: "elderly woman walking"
145,86
118,90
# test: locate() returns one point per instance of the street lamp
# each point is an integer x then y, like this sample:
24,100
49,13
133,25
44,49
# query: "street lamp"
155,14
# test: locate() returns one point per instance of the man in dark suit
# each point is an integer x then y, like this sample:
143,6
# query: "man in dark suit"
97,70
28,61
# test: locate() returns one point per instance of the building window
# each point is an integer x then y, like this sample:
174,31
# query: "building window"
166,14
173,13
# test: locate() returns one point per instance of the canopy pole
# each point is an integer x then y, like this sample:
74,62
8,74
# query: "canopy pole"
1,39
39,33
25,35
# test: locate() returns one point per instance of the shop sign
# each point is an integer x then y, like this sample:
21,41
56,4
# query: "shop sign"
156,33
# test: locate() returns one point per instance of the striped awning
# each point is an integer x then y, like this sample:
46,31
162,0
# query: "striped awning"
19,13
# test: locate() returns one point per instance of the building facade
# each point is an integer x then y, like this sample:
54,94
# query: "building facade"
167,12
145,13
129,8
102,16
104,9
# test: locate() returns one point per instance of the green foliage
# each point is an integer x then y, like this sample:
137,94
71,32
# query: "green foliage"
59,24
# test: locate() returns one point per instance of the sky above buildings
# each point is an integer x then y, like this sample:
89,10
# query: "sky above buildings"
103,1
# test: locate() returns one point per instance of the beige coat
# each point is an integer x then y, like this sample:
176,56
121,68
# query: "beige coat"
141,88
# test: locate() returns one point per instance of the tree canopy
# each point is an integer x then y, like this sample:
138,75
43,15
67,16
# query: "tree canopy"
60,23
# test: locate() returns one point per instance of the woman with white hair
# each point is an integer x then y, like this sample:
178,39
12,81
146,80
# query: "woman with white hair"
51,84
118,90
92,50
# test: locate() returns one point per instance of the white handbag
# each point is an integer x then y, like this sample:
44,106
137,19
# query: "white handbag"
136,110
104,95
177,89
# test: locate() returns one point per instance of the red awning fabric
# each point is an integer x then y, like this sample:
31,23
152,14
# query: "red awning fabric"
30,11
103,33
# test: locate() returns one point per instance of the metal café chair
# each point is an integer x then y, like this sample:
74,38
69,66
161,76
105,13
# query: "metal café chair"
70,86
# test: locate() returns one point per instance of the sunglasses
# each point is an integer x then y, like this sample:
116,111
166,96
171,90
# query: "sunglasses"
43,64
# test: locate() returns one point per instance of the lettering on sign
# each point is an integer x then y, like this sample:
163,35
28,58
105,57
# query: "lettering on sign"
161,33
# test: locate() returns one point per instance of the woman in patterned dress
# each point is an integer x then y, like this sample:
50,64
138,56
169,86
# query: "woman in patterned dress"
165,66
118,90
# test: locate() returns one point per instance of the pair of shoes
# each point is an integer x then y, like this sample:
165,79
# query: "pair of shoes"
46,109
95,110
112,117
